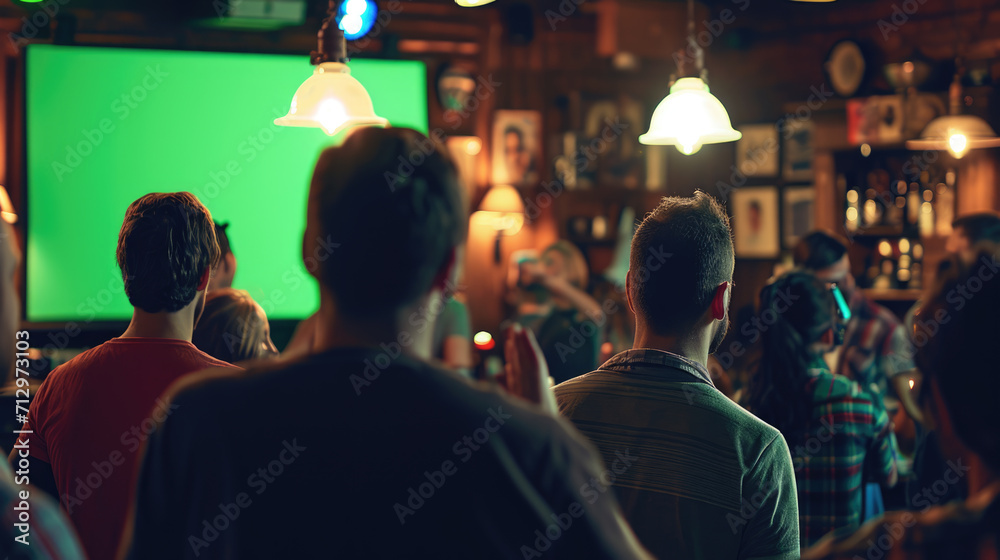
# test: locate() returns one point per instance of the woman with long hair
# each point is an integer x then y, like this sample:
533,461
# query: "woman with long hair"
837,433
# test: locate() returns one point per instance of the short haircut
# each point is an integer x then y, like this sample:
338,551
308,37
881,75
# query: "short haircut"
388,204
222,238
166,243
818,250
230,328
959,357
981,226
681,252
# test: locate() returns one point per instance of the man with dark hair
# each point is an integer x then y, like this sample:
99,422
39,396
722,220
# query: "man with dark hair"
971,229
363,449
697,475
876,348
958,395
91,415
225,271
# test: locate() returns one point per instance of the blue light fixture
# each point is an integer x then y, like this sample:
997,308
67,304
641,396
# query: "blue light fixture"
356,18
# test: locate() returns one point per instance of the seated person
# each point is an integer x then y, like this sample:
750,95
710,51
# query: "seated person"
384,455
833,427
959,400
233,327
92,414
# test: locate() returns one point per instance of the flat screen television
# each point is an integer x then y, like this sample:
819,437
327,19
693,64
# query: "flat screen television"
106,125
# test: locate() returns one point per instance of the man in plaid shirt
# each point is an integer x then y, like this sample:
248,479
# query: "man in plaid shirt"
876,348
851,436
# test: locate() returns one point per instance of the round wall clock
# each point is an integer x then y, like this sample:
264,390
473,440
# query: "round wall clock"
846,67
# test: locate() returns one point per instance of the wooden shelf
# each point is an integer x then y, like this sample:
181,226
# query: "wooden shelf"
892,294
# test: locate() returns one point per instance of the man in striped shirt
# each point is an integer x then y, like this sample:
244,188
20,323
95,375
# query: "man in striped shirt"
697,476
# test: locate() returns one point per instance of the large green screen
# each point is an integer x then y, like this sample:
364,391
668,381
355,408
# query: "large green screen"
105,126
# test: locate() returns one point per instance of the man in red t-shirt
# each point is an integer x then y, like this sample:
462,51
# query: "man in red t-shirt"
92,414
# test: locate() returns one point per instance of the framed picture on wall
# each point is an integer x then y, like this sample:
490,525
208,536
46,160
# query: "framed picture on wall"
755,222
798,213
517,147
757,150
798,156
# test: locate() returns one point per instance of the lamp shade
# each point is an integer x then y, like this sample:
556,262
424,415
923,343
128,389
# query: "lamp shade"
688,118
472,3
333,100
957,134
502,209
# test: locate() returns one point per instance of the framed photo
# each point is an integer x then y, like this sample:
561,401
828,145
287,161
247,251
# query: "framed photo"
798,213
517,147
798,160
755,222
757,151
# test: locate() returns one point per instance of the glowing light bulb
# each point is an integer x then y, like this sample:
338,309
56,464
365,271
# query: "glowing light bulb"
688,144
958,144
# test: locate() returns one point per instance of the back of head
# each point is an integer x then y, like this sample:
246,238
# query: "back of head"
231,328
222,238
166,243
982,226
964,304
818,250
385,214
797,310
681,252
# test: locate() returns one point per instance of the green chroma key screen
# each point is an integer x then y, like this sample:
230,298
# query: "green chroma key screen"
106,126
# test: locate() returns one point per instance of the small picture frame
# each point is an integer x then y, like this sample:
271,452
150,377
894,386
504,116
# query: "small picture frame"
517,147
798,213
757,151
798,152
755,222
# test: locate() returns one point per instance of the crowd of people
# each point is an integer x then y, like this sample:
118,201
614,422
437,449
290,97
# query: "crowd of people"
191,436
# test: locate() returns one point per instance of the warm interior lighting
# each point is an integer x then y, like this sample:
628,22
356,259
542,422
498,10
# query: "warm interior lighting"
502,210
473,146
483,341
690,116
6,207
472,3
331,99
911,383
955,133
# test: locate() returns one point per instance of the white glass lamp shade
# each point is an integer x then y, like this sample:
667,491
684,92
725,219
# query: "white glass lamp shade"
333,100
472,3
688,118
957,134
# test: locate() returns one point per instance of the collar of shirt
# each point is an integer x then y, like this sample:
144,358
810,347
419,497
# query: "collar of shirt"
647,359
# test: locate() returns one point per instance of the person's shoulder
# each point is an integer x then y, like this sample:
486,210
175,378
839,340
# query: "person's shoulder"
75,366
830,387
752,431
209,361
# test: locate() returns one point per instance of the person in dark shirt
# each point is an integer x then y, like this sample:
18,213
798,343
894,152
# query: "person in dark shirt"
958,396
570,333
363,449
